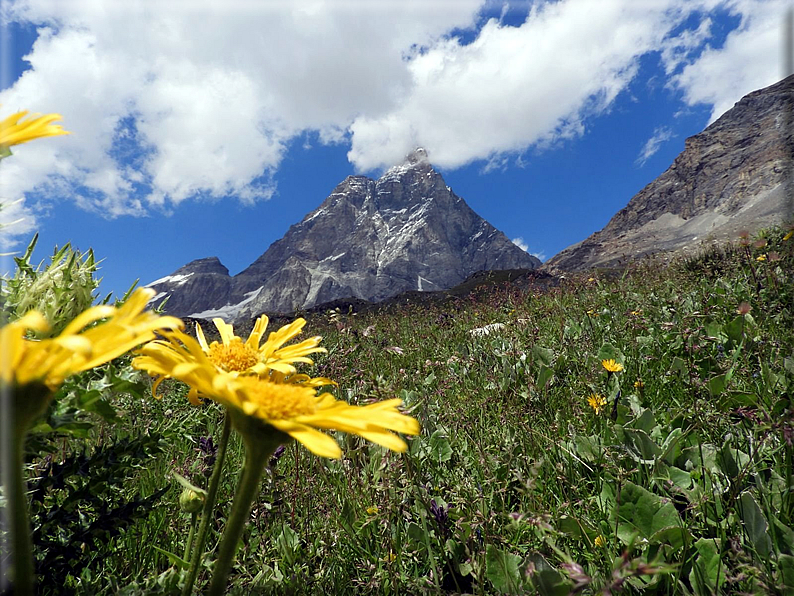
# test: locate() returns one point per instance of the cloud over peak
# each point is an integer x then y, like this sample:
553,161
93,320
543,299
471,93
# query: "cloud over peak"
173,101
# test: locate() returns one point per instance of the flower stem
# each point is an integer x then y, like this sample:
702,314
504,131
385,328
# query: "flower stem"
191,534
17,511
209,505
257,453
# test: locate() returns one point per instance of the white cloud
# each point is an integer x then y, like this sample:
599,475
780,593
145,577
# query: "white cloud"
16,221
660,135
206,93
515,87
750,58
520,243
198,98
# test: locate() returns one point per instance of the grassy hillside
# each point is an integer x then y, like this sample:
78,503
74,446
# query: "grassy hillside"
538,469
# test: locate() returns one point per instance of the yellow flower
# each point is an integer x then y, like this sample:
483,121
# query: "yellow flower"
611,366
597,402
372,510
760,258
638,384
14,131
43,365
249,357
600,541
237,358
288,404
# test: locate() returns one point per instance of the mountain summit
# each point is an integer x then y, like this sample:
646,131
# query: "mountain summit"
369,239
730,177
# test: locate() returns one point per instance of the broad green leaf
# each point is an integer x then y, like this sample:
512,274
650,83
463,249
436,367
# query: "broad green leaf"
640,445
755,524
707,574
785,564
543,355
644,421
544,376
440,446
501,569
734,330
675,536
716,385
547,580
610,352
641,511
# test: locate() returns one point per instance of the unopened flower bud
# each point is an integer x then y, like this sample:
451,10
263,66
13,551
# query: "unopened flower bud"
190,501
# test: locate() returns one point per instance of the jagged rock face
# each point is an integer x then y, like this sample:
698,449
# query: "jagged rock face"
193,286
369,239
730,177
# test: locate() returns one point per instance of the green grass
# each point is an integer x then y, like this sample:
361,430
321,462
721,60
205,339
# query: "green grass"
516,485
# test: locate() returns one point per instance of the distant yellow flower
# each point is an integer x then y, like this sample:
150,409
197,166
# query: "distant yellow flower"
285,404
15,131
35,369
638,384
372,510
760,258
600,541
592,313
597,402
611,366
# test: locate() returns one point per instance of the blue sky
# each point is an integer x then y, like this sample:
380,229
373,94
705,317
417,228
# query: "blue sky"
207,128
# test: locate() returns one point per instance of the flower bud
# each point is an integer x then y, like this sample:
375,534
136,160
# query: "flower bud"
190,501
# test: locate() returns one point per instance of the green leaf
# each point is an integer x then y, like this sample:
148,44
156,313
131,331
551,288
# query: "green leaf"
544,375
547,580
734,329
543,355
440,446
755,524
501,569
785,564
675,536
175,560
783,533
416,533
707,574
610,352
641,511
716,385
736,399
640,445
188,485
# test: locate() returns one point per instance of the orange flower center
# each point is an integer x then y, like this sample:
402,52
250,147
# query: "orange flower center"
234,356
277,401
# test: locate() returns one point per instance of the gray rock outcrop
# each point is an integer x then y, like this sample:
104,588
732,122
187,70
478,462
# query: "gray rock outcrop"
730,177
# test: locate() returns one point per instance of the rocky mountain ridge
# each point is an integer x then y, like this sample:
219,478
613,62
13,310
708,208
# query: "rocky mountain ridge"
730,177
370,239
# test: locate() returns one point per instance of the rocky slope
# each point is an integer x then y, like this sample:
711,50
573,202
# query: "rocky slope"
730,177
369,239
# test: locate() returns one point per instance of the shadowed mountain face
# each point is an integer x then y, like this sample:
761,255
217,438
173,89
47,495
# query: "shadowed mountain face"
731,177
369,239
